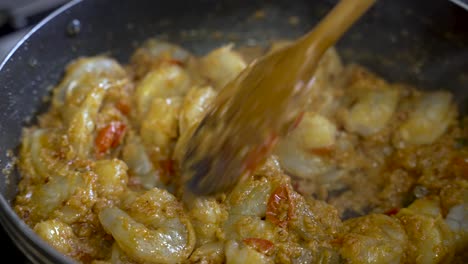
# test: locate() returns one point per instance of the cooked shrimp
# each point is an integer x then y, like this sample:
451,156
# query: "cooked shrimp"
375,238
39,151
112,178
221,65
248,203
163,82
212,253
372,110
457,220
80,78
432,115
194,106
236,253
323,98
454,205
139,164
81,130
59,235
155,52
300,152
159,127
67,196
430,238
250,198
153,229
207,216
314,220
193,110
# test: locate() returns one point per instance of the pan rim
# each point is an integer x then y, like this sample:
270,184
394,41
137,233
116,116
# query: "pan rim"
19,232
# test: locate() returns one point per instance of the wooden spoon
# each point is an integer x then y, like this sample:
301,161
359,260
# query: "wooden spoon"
260,105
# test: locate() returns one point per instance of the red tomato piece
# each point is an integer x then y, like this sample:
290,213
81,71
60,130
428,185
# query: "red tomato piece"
259,244
110,136
280,207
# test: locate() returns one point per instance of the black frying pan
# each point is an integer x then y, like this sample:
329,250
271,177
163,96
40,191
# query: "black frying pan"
424,43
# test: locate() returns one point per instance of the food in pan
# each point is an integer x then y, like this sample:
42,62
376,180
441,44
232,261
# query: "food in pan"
374,172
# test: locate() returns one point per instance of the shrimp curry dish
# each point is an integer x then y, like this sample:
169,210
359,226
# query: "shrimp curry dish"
373,172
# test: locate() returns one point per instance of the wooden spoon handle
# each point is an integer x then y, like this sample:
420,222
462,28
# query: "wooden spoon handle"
330,29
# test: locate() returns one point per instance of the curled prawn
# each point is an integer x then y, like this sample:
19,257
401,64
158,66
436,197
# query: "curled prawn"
80,78
221,65
154,229
429,235
82,125
39,154
374,238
